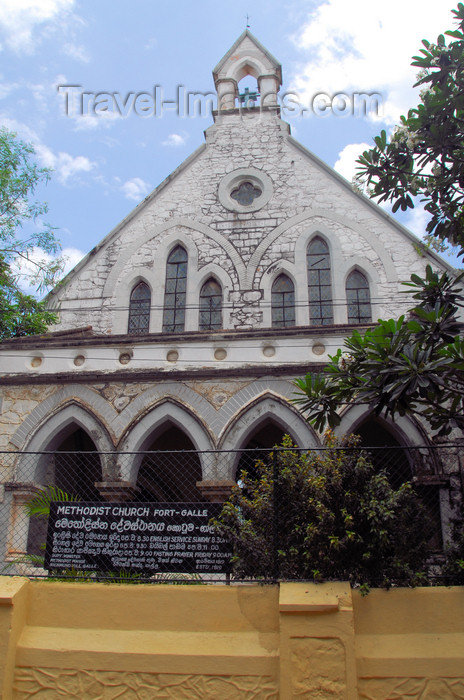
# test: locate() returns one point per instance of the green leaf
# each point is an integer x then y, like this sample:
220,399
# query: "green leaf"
19,179
39,505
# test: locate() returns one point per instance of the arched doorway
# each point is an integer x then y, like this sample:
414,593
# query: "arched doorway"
264,438
74,467
386,451
170,469
262,424
77,466
402,463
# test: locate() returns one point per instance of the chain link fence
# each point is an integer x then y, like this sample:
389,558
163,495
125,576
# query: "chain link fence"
152,511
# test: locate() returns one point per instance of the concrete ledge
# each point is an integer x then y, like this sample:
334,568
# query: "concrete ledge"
144,607
14,600
421,655
164,651
10,588
314,597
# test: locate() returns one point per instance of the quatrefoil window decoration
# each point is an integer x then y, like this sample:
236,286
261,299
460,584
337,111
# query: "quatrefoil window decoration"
245,190
246,193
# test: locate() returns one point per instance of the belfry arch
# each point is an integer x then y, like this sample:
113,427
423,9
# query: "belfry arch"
247,56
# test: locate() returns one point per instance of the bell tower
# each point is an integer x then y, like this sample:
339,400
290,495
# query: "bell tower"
247,57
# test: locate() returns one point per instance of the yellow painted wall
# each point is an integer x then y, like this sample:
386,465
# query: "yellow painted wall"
87,641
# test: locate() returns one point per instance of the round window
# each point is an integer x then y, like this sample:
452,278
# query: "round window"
245,190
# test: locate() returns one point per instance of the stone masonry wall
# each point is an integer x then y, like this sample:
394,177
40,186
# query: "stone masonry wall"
305,198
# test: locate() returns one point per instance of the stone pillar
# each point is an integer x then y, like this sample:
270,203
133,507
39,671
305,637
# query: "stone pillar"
268,86
18,526
227,91
215,491
117,491
317,657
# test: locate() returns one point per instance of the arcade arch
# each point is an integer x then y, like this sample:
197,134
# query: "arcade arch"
262,424
149,430
170,468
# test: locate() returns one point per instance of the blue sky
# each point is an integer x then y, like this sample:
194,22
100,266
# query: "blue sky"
104,165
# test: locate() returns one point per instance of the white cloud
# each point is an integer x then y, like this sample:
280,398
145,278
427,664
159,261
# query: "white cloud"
7,88
80,53
175,140
417,220
59,80
20,18
346,163
72,256
41,94
136,189
65,165
24,132
89,122
151,43
347,167
25,269
366,46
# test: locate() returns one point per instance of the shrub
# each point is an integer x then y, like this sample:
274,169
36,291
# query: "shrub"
453,567
325,514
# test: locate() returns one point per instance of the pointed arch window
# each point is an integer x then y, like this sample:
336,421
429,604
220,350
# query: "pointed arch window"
319,283
175,294
358,298
139,310
210,306
283,302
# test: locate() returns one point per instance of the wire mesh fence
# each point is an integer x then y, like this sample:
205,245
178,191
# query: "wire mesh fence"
153,516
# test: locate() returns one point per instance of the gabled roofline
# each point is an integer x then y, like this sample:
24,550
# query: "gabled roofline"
375,207
415,241
50,297
258,45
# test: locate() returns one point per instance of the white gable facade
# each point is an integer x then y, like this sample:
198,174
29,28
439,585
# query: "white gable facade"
244,269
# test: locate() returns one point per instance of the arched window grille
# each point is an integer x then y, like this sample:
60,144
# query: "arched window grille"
175,291
319,283
283,302
358,298
210,306
139,310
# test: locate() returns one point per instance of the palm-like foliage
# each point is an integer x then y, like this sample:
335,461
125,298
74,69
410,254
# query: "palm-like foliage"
425,155
400,366
40,503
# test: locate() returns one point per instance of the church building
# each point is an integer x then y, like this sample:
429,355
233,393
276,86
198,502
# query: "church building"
184,329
